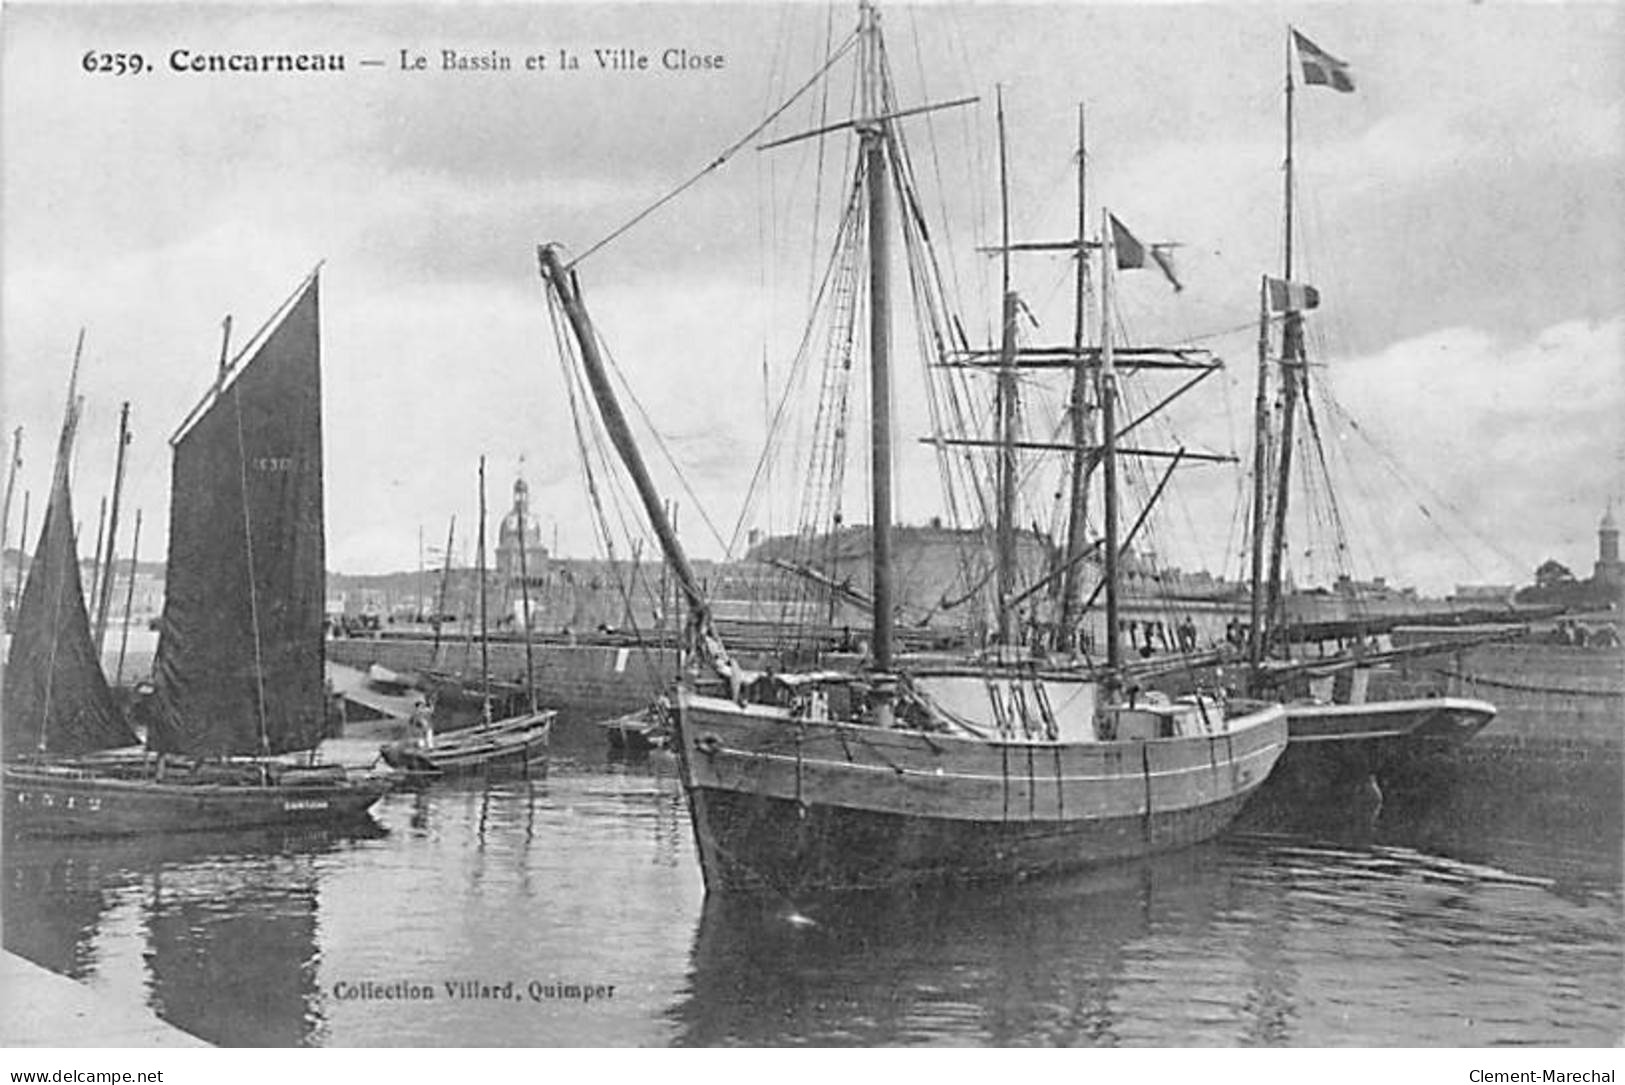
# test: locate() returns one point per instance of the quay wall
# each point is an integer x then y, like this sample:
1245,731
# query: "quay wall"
1543,693
1559,724
584,681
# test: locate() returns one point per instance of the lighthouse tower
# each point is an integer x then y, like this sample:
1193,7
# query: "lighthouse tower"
1608,572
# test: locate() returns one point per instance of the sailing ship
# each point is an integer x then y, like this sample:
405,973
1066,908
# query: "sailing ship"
57,702
810,782
489,742
1327,708
239,669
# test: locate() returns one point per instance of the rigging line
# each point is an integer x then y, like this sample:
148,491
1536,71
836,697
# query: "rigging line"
584,444
931,346
1365,557
253,587
936,156
930,292
588,445
1251,326
1415,486
1326,472
818,164
719,160
631,396
833,271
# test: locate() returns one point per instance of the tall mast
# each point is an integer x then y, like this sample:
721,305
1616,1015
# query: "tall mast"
1077,512
17,591
129,601
96,555
1291,376
1006,523
440,599
874,132
13,466
1108,426
485,638
1261,426
104,597
524,597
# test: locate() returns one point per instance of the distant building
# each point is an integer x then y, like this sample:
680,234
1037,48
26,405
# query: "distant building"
1376,588
521,558
1484,594
1608,573
1555,585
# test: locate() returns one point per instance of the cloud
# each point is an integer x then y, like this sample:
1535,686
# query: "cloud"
1511,446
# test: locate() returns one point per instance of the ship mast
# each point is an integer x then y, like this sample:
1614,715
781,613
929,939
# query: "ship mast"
104,589
1292,373
874,130
1007,410
485,634
440,598
1261,426
1077,513
14,464
873,136
1108,426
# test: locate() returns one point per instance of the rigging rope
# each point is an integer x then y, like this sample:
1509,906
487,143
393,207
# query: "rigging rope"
721,159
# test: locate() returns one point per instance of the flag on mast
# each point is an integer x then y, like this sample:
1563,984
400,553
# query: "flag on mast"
1287,296
1320,68
1131,253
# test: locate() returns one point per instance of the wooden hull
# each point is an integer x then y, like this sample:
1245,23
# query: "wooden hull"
64,801
797,807
515,742
1347,744
1432,719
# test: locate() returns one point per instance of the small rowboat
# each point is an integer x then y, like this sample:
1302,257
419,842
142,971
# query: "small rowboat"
515,741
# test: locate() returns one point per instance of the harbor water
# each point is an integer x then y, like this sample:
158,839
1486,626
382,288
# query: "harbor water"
565,907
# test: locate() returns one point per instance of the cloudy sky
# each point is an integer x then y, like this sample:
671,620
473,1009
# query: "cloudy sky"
1461,213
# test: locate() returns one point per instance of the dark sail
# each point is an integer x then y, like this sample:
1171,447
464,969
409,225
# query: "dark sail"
240,653
56,697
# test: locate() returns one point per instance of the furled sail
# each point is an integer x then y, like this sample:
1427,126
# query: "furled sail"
240,658
56,697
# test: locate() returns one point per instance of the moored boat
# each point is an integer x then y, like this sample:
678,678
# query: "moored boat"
1332,722
239,682
816,781
516,741
795,805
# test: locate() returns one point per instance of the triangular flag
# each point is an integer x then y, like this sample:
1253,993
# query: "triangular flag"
1130,253
1286,296
1320,68
1164,256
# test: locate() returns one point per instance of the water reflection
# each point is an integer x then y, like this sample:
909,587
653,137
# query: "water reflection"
1401,921
1466,913
227,923
1041,963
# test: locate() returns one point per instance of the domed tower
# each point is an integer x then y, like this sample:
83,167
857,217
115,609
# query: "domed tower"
535,563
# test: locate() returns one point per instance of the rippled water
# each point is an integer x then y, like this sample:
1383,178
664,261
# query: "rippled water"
1487,911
